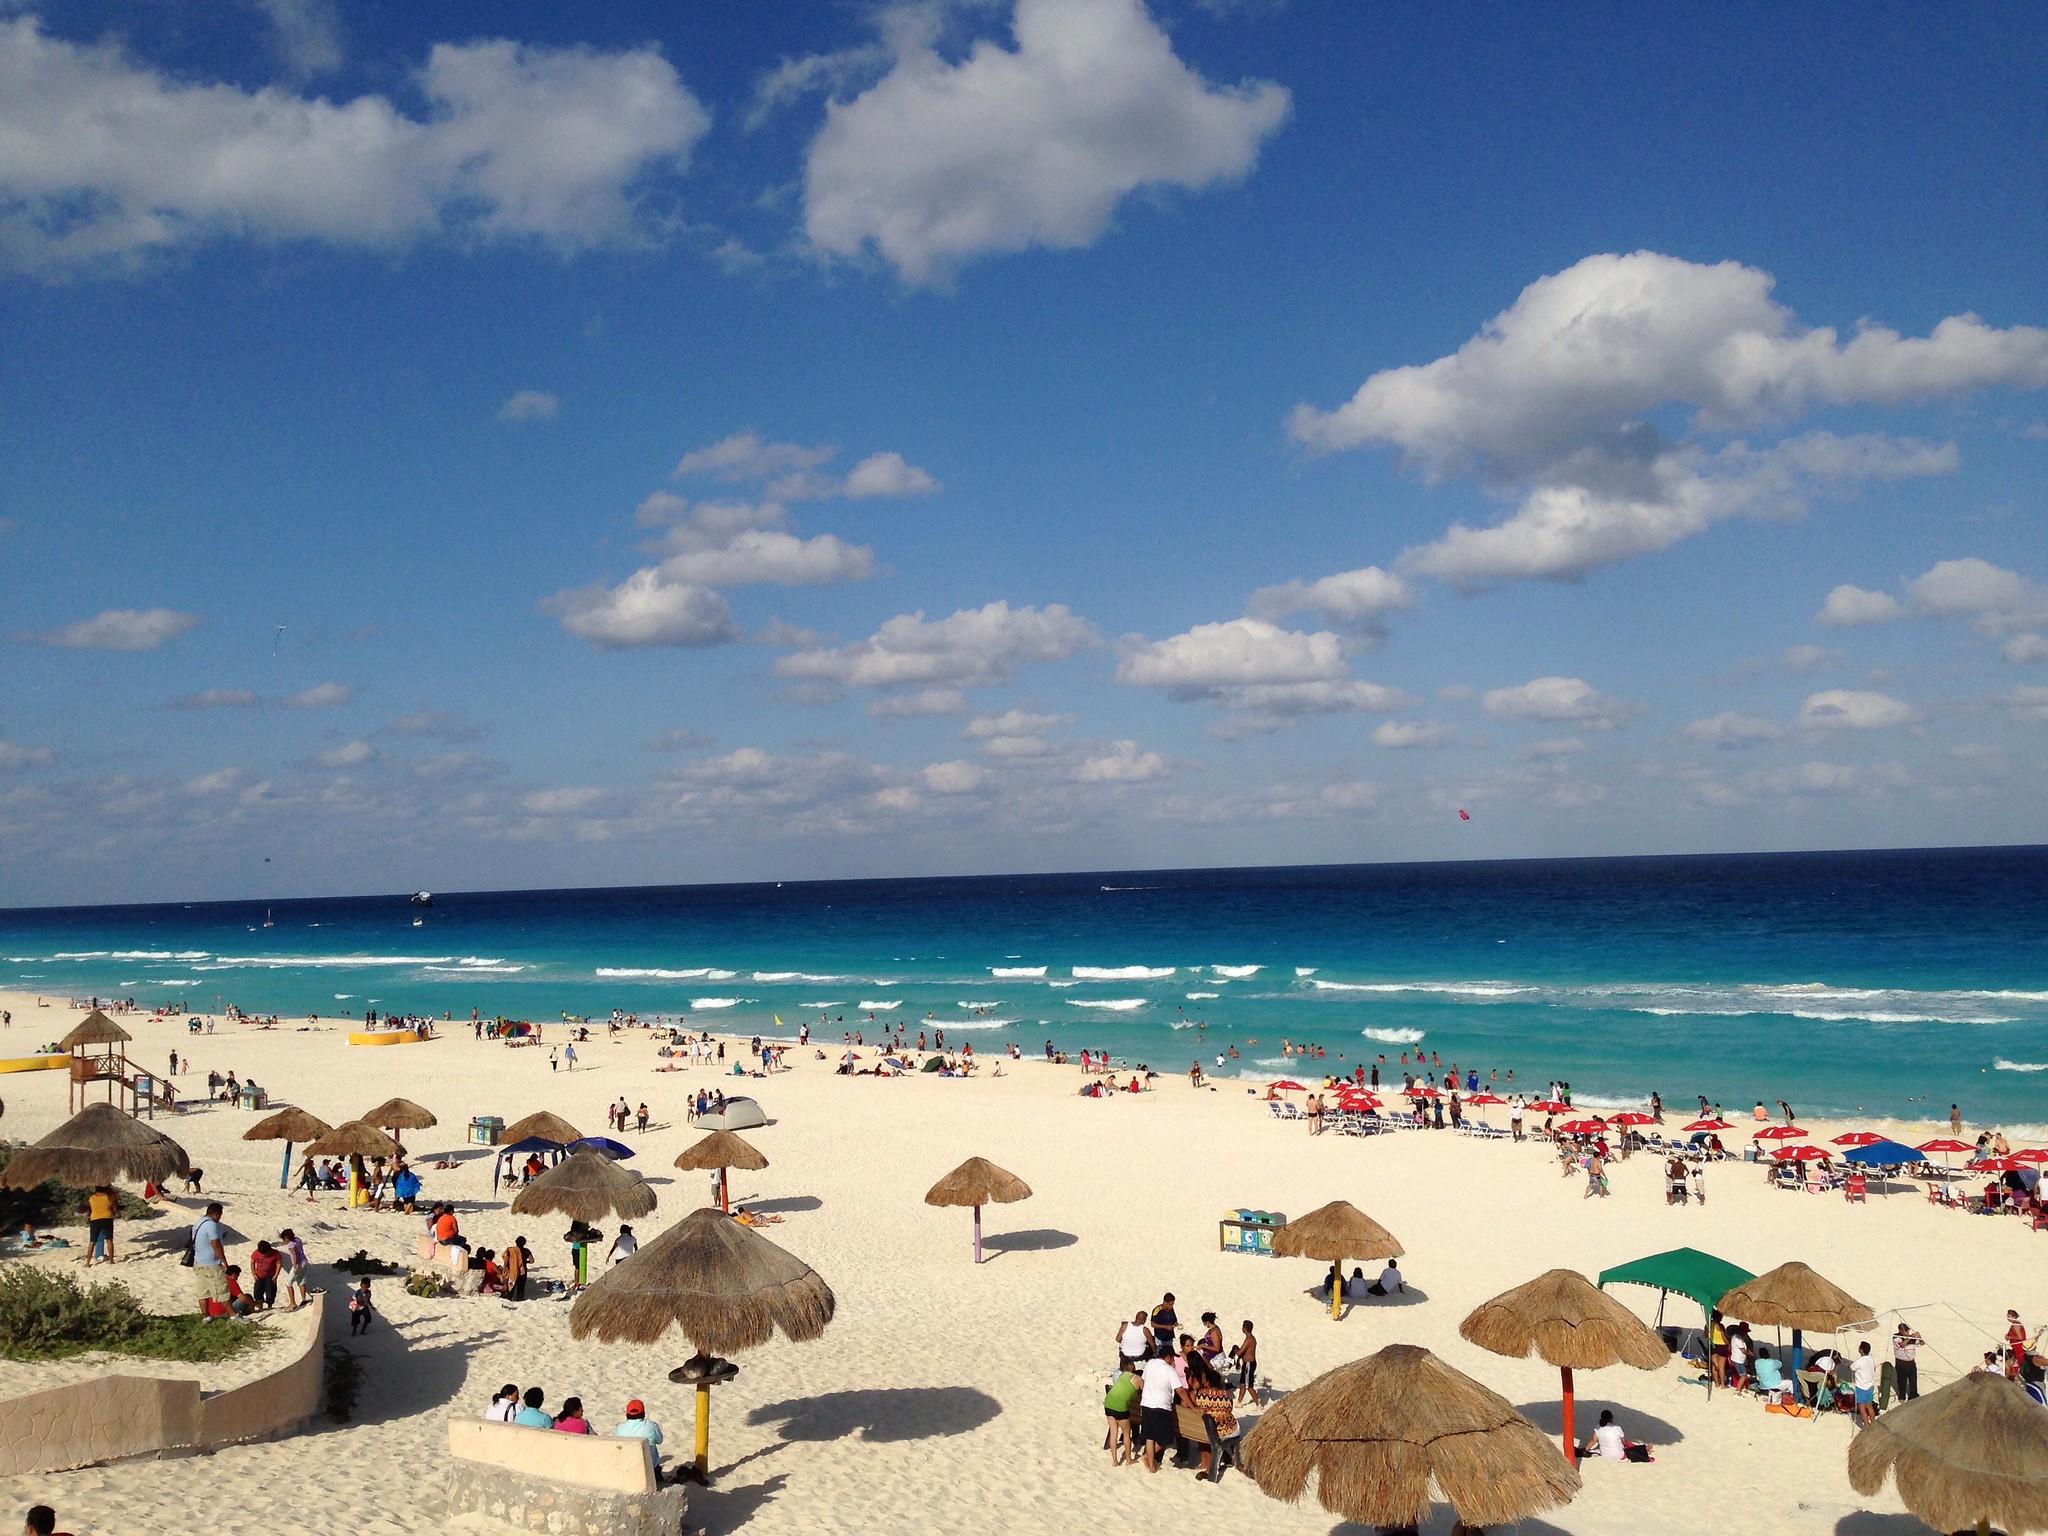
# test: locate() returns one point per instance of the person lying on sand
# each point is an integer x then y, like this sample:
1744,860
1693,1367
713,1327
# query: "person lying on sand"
747,1218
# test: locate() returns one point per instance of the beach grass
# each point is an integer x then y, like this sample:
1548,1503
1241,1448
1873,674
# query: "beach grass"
49,1316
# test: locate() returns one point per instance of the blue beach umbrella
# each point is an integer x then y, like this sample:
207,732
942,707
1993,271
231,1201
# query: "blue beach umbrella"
614,1150
1883,1154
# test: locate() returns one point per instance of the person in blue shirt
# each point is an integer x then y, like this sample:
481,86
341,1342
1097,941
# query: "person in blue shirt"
405,1187
530,1413
637,1426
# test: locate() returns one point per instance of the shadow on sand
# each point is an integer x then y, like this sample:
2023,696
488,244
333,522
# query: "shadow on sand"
1548,1416
881,1413
1031,1240
786,1203
724,1508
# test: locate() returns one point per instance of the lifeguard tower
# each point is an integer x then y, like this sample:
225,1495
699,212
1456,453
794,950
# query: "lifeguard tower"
99,1055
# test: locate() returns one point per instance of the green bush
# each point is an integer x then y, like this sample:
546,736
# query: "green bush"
46,1315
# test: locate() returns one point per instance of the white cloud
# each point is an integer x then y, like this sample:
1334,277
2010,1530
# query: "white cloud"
2029,703
117,629
678,739
1848,605
15,755
1357,600
1730,729
562,802
1414,735
1550,403
925,701
746,455
435,724
782,559
1804,780
1551,747
219,698
349,755
887,474
530,405
1015,733
1234,652
970,647
108,157
1123,763
321,696
1849,709
958,777
1811,658
940,162
307,34
1557,699
2025,648
647,608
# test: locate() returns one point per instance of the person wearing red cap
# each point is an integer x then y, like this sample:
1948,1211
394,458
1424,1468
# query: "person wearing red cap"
637,1426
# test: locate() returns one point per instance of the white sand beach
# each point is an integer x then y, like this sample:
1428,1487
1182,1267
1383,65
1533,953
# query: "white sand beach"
945,1397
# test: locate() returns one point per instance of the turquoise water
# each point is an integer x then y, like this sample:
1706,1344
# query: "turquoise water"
1887,984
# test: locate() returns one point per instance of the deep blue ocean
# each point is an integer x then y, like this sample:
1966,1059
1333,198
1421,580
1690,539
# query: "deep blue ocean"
1884,984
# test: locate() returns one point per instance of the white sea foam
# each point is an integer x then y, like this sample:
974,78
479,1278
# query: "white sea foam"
342,997
1199,997
714,974
651,973
1015,972
986,1002
2020,1066
1236,972
1063,983
834,1004
716,1002
1306,970
1121,972
1394,1036
774,976
466,969
873,1007
1109,1005
958,1024
172,983
281,962
156,954
81,954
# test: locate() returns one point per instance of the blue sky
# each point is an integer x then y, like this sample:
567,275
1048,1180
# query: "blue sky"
518,445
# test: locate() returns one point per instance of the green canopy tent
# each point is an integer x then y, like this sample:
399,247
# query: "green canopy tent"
1697,1276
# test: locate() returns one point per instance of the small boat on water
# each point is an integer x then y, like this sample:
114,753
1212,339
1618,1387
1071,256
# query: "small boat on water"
423,898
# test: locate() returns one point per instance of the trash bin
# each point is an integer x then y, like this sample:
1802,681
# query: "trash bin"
486,1130
255,1098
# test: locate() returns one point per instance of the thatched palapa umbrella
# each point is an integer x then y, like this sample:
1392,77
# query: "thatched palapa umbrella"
1336,1232
541,1123
723,1284
1793,1296
287,1125
98,1145
1377,1433
586,1186
355,1141
1572,1324
722,1150
1973,1453
977,1182
395,1115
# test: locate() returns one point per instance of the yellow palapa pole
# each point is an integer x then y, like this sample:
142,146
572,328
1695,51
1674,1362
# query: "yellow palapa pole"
1336,1290
704,1431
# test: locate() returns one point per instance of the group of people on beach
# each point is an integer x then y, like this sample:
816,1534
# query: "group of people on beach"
528,1409
1176,1394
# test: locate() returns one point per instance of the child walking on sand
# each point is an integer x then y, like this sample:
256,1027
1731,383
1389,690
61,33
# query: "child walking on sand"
359,1308
1246,1353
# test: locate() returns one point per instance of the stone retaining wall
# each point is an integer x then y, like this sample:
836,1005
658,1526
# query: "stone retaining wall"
484,1497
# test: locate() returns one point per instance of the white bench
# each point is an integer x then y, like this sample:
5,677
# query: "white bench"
510,1475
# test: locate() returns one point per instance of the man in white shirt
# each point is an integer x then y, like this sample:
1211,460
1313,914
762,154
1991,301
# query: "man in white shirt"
1863,1370
1155,1408
1133,1341
1389,1282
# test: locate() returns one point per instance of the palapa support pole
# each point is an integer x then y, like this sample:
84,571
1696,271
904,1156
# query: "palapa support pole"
724,1191
1571,1440
1336,1290
284,1176
1798,1352
977,1234
704,1432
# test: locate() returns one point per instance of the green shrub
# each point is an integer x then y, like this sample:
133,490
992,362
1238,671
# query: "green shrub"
46,1315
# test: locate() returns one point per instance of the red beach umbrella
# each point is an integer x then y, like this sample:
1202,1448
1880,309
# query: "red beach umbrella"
2031,1155
1711,1123
1583,1127
1550,1106
1778,1133
1858,1138
1995,1165
1285,1085
1486,1098
1946,1144
1801,1154
1631,1117
1422,1093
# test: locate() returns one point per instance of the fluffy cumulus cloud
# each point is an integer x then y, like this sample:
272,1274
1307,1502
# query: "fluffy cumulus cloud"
108,157
117,629
795,471
1811,658
1014,733
972,647
1995,600
1800,781
647,608
321,696
1124,762
14,754
1731,729
1414,735
1268,677
887,474
530,405
1358,601
219,698
1851,709
1555,699
939,162
1549,405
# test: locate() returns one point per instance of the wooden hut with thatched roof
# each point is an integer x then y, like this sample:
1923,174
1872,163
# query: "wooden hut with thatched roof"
586,1186
98,1048
1570,1323
1336,1232
1383,1436
99,1145
1969,1456
721,1150
978,1182
723,1285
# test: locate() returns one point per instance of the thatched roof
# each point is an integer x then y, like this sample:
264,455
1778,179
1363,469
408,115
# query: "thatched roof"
586,1186
399,1114
288,1124
1793,1296
97,1145
721,1149
1977,1449
1339,1230
977,1182
352,1138
1377,1433
724,1285
548,1127
94,1029
1568,1321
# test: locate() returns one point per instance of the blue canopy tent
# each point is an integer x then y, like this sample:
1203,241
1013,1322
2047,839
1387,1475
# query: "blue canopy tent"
524,1144
615,1150
1884,1154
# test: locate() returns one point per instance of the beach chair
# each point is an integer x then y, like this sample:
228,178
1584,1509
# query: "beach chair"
1222,1451
1856,1190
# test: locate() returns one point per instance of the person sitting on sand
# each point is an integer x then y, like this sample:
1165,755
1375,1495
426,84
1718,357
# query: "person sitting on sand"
1770,1375
1357,1288
1610,1444
1389,1283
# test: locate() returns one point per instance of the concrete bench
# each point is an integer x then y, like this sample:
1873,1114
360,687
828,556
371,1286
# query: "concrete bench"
509,1476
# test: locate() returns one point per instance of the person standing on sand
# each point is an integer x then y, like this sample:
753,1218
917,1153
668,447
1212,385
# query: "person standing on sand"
1955,1121
569,1057
100,1206
553,1064
517,1261
295,1293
